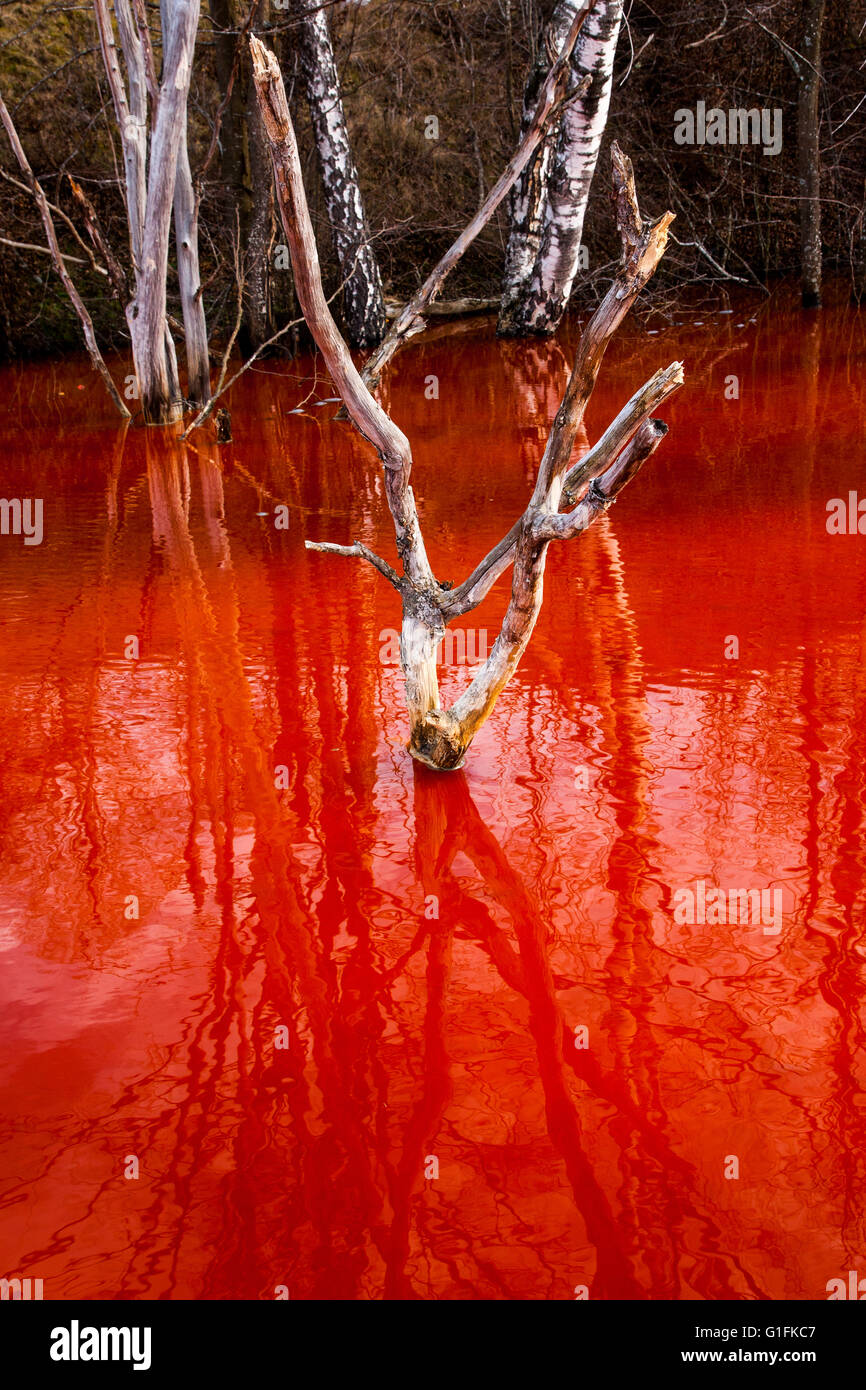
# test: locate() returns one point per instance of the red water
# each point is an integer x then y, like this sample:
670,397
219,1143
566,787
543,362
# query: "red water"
629,758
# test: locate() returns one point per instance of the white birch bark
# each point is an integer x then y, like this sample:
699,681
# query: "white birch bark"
130,113
538,302
146,314
363,305
529,195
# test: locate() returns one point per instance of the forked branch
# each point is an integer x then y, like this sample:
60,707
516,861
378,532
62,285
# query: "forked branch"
642,251
440,737
616,437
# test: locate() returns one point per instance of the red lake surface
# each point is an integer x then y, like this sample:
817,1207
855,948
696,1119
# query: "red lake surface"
367,1031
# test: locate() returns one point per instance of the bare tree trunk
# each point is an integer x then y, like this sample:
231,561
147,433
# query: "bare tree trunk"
234,163
536,294
440,738
189,278
146,314
529,195
245,165
258,318
809,153
149,214
363,306
131,114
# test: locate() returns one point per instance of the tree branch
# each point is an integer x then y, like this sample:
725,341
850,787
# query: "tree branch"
115,274
64,217
550,103
364,410
604,490
616,437
46,251
642,251
357,549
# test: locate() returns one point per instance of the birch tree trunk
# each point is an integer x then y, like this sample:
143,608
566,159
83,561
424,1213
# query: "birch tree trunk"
130,113
809,153
146,314
529,195
544,245
363,305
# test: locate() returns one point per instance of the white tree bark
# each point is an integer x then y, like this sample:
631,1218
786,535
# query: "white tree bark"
146,314
529,195
543,260
441,737
150,194
363,305
130,114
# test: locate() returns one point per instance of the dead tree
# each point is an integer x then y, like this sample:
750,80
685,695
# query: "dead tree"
549,204
585,489
363,305
156,182
808,70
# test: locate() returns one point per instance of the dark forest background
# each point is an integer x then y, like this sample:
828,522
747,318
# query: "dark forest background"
464,62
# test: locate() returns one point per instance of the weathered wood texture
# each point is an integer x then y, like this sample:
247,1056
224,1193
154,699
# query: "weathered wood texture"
438,737
189,278
156,182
